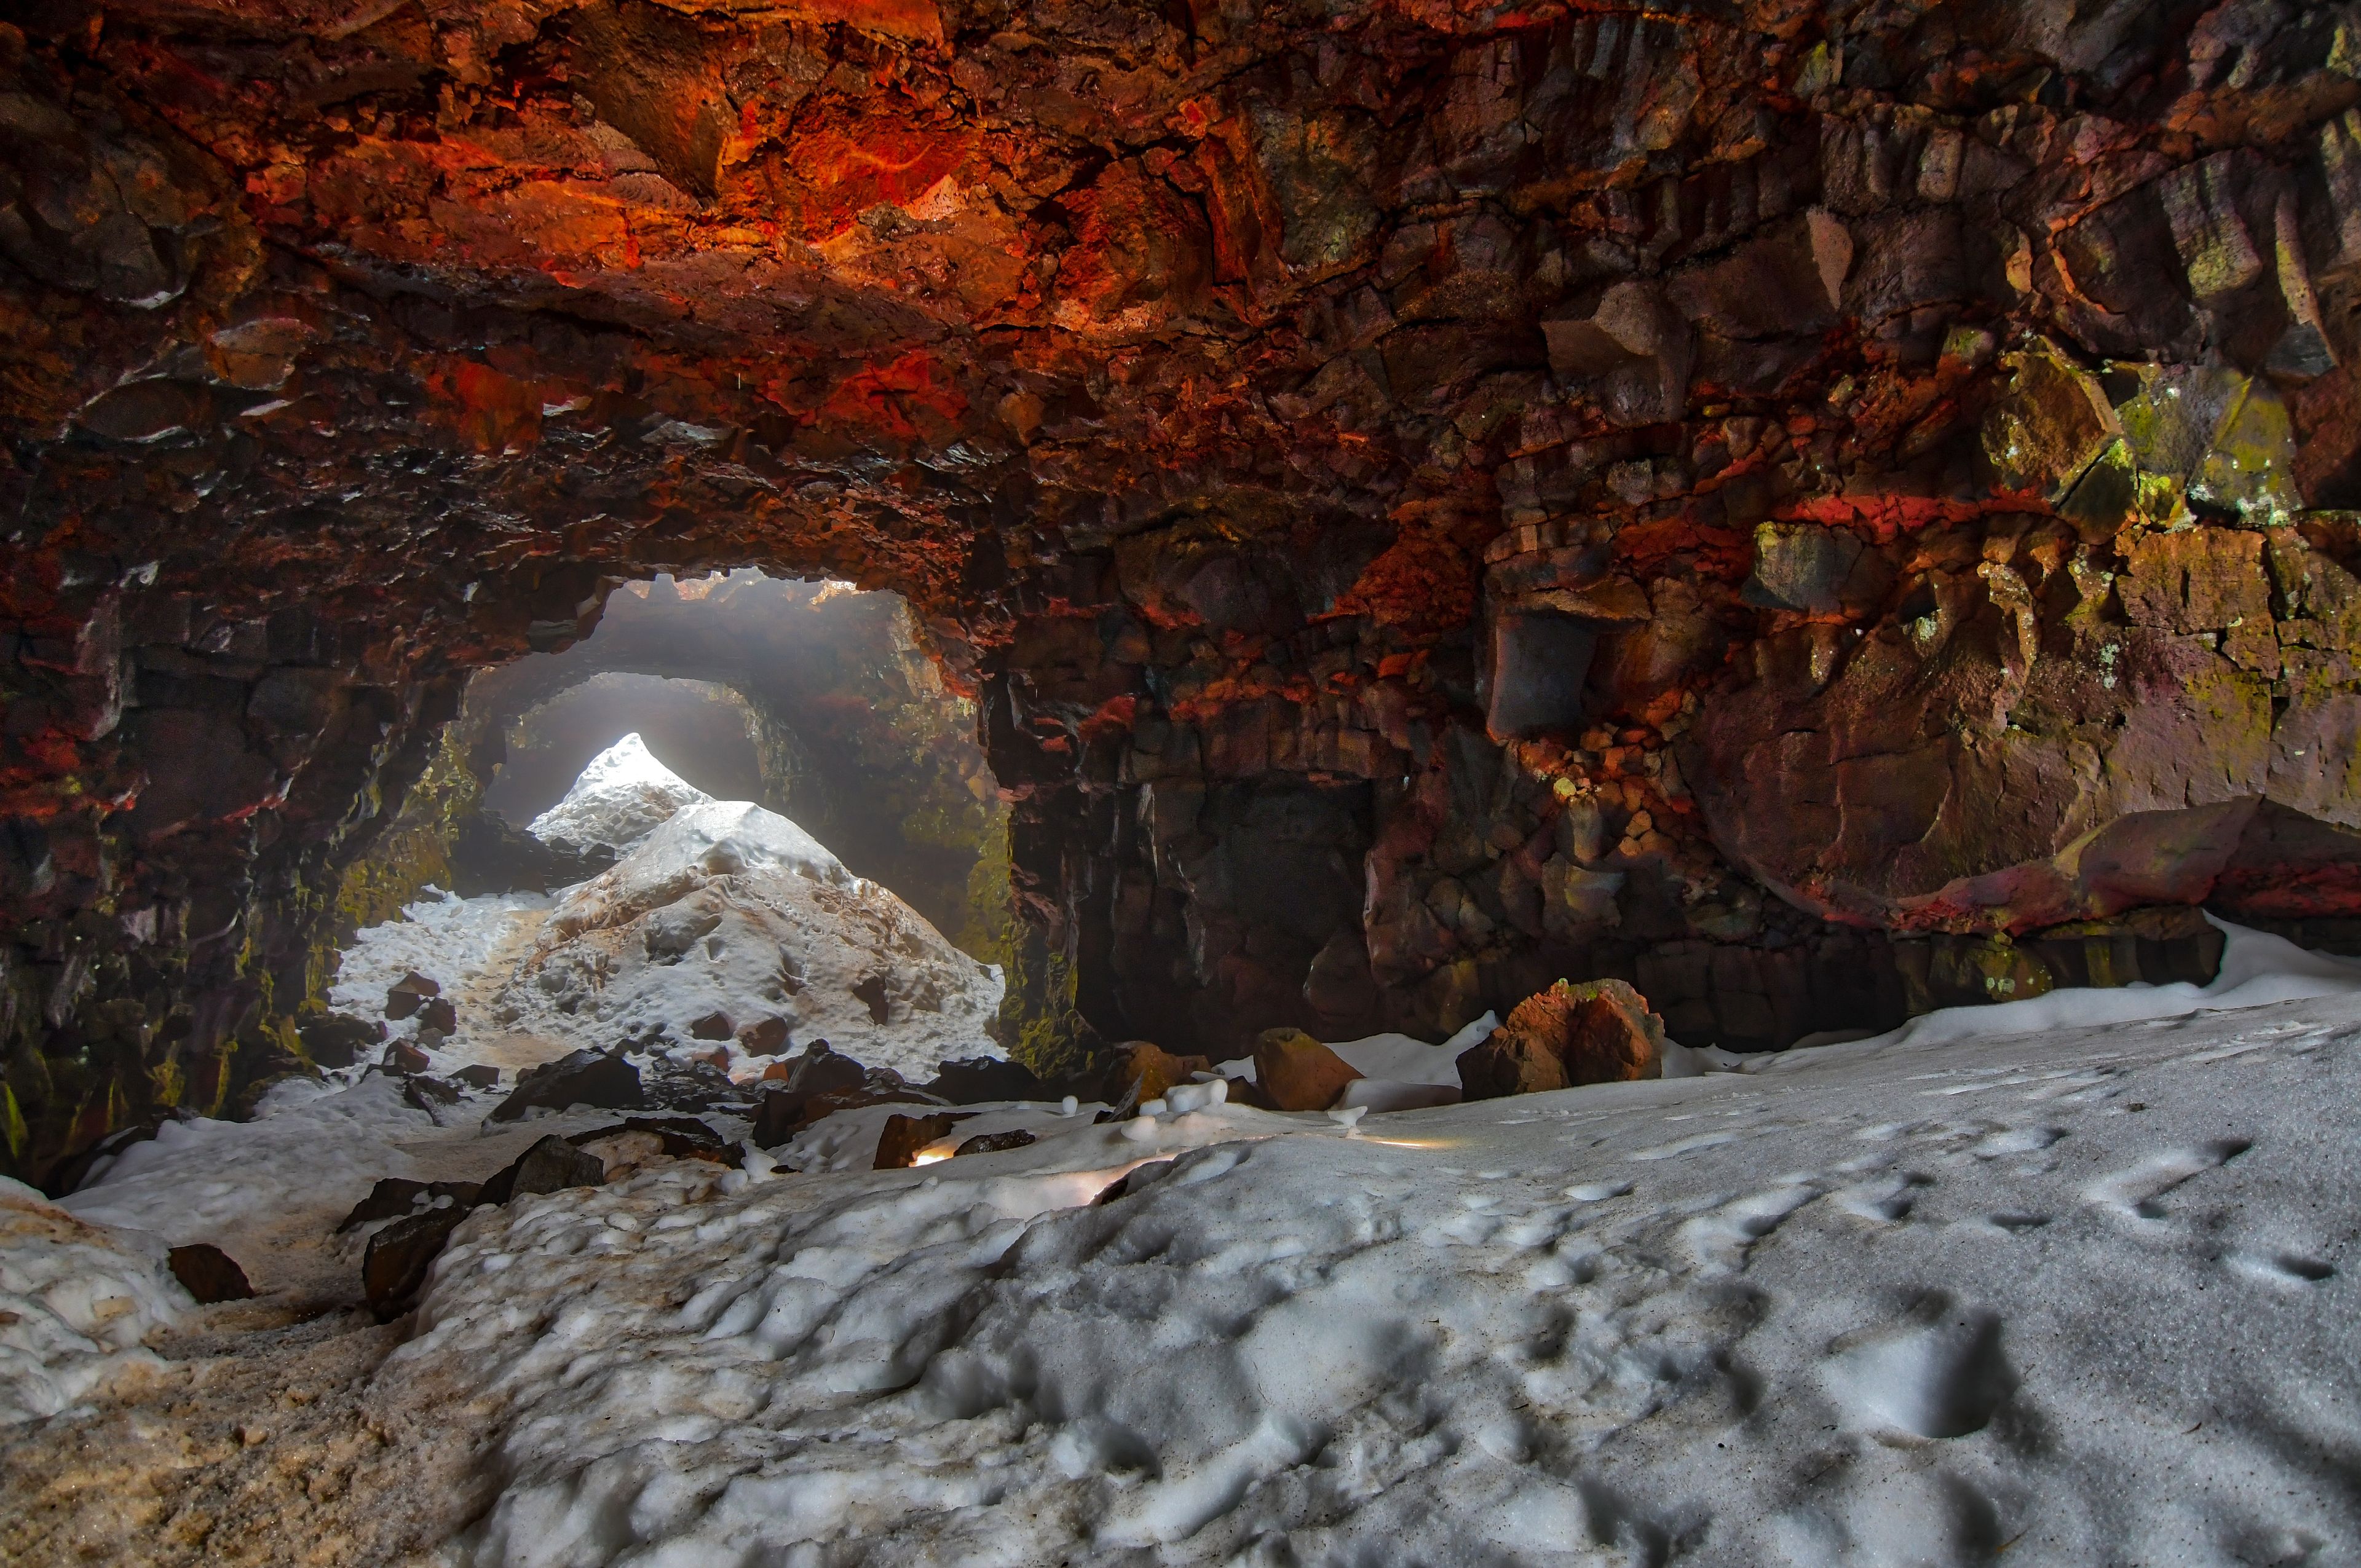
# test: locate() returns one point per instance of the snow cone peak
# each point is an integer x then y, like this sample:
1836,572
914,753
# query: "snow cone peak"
623,795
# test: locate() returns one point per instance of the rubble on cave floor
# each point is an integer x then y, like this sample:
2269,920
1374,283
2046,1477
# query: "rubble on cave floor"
1962,1286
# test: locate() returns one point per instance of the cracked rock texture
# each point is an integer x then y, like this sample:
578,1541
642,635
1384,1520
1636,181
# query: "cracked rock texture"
1818,509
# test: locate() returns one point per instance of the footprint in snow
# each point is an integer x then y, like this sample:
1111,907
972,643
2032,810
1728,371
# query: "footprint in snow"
1940,1372
2138,1192
2282,1268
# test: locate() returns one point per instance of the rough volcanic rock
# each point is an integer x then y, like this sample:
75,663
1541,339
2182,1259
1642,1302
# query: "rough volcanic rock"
551,1165
1298,1073
396,1197
979,1078
337,1039
1595,1032
903,1136
1143,1070
399,1257
994,1142
408,994
209,1274
1929,437
580,1077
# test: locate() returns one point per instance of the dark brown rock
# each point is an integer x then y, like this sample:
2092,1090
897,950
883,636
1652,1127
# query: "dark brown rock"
582,1077
395,1196
429,1094
903,1136
208,1274
399,1257
764,1037
1143,1071
712,1026
408,994
550,1166
438,1015
478,1075
994,1142
402,1056
337,1039
982,1079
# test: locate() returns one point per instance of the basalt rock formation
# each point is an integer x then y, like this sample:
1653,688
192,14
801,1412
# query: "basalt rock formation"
1817,509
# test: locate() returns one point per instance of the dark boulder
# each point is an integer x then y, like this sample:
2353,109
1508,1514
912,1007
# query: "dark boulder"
550,1166
480,1075
338,1039
439,1015
409,994
431,1095
209,1274
399,1257
405,1057
992,1143
684,1138
978,1080
903,1136
582,1078
396,1197
764,1037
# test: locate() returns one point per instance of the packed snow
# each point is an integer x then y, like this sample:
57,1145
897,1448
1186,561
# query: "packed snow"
621,798
2083,1295
76,1302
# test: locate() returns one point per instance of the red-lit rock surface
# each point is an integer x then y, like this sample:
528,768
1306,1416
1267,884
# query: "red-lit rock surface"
1767,499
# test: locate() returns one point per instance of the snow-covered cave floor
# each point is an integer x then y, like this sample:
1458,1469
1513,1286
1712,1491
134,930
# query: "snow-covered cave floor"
2081,1296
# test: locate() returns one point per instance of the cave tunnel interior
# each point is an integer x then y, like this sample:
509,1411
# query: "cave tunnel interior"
1356,526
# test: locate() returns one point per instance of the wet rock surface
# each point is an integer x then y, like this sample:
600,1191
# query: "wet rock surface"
1864,488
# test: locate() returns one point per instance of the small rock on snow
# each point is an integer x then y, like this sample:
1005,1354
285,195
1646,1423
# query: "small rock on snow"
209,1274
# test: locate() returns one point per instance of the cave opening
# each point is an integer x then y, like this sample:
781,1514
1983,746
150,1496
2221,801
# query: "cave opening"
743,819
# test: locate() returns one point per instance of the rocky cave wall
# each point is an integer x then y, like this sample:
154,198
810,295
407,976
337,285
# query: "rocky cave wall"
1822,508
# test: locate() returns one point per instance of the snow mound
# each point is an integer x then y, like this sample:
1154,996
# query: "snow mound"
76,1300
729,916
1904,1307
621,798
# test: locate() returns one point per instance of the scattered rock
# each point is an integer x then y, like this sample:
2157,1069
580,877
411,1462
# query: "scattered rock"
898,1145
480,1075
550,1166
399,1255
582,1077
429,1094
715,1025
679,1137
209,1274
1143,1071
978,1080
992,1143
620,1152
405,1057
1298,1072
409,994
439,1015
1596,1032
338,1039
395,1196
764,1037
